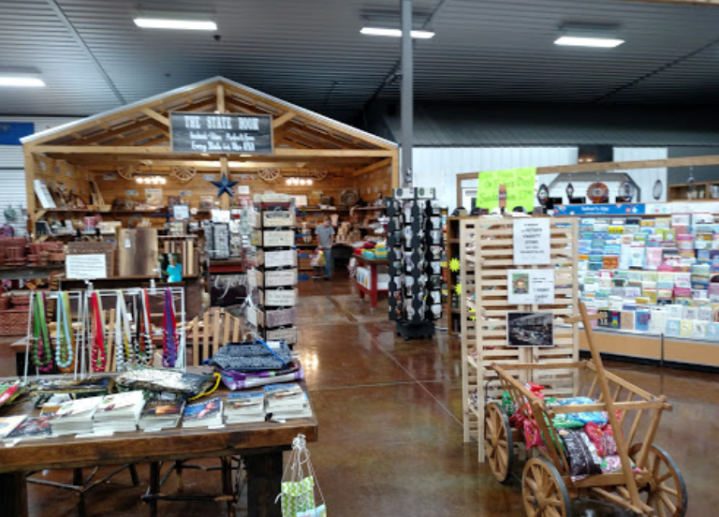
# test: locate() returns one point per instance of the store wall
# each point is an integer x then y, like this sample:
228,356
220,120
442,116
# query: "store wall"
12,173
679,175
438,166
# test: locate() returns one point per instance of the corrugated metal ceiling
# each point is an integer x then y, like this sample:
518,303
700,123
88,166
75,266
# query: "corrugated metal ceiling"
311,53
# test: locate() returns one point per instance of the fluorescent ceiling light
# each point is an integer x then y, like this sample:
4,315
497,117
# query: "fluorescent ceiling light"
182,21
586,41
21,80
395,33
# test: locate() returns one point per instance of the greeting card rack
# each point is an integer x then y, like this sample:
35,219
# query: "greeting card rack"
487,256
272,303
93,309
414,242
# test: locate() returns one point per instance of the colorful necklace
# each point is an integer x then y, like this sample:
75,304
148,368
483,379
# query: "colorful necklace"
169,323
99,357
64,348
42,355
143,341
123,334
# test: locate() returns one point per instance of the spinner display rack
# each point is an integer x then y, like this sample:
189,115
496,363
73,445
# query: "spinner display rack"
274,276
414,241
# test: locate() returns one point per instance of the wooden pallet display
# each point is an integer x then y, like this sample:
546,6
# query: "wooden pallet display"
484,341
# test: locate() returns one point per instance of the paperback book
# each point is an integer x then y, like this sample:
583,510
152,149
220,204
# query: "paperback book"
203,414
161,414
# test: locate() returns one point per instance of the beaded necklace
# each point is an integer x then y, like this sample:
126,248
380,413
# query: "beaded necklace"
123,335
143,341
99,357
42,355
64,348
169,323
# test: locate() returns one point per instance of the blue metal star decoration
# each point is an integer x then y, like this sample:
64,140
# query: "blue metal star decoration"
225,185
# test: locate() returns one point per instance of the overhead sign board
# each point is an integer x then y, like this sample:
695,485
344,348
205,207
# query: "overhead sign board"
220,133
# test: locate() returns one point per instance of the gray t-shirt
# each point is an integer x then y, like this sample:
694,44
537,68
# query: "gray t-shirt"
325,234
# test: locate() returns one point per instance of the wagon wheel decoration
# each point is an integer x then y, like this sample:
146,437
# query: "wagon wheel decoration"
184,172
498,443
543,490
128,172
666,492
270,175
320,174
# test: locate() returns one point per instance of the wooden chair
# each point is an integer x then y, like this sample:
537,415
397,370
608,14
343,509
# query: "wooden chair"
209,332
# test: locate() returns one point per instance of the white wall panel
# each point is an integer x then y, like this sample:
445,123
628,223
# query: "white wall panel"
438,166
12,170
645,178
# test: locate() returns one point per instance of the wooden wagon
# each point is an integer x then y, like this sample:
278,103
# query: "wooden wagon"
653,487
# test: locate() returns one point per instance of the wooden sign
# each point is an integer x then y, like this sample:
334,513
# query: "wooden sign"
281,317
288,335
279,258
280,298
282,238
280,278
278,219
214,133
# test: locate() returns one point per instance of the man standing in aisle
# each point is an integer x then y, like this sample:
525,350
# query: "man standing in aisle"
325,235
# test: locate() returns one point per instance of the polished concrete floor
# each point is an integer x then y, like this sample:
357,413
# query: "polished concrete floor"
390,426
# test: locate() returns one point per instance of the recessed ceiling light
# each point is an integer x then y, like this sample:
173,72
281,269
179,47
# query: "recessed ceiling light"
395,33
21,79
173,20
584,41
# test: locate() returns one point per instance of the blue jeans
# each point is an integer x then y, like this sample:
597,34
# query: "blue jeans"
328,261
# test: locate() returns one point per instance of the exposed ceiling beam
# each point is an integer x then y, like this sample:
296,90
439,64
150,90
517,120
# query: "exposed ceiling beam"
282,119
696,161
680,2
76,36
155,115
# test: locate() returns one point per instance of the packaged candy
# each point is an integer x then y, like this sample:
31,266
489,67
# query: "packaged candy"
581,454
612,465
532,436
564,422
602,438
507,403
536,389
595,417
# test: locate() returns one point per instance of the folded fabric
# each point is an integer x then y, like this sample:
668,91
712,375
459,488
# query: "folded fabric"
252,356
241,381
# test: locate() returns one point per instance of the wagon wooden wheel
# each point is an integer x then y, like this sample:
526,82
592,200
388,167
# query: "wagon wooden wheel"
666,492
498,442
543,490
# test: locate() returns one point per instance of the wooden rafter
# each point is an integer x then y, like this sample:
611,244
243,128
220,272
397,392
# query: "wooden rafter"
220,98
387,162
156,116
282,119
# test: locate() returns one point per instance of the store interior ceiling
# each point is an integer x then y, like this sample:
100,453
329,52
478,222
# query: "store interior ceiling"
93,58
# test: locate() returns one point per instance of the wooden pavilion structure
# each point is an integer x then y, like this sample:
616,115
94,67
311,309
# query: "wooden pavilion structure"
113,147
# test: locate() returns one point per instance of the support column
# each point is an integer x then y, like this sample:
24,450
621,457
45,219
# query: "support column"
407,95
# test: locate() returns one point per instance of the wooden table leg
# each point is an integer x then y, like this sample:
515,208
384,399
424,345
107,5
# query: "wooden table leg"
13,494
264,476
154,486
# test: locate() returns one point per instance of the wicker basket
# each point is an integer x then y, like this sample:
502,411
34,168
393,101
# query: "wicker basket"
13,323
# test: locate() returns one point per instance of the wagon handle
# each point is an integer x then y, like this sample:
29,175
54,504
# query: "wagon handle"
622,448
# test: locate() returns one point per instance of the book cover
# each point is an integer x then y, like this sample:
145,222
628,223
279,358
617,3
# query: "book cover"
9,423
202,410
38,427
78,408
162,409
280,393
641,320
245,401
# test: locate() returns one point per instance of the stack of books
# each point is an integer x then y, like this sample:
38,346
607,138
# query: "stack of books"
32,429
75,416
161,414
118,412
245,407
8,424
203,414
285,401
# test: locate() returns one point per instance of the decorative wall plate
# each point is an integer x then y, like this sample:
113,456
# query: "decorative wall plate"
598,192
320,174
543,194
627,191
657,190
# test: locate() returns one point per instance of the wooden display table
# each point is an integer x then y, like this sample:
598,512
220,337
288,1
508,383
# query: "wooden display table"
260,444
372,292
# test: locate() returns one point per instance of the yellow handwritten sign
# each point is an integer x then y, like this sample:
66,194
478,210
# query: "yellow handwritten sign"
518,187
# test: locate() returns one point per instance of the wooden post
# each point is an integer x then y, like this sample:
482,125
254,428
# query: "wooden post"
395,170
30,187
225,199
264,477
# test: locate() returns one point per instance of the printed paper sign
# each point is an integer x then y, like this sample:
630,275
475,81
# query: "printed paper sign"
279,238
280,298
85,267
279,258
531,242
280,278
508,189
278,218
530,286
289,335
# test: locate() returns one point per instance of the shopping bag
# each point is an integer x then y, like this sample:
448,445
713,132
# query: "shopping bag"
317,259
297,493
